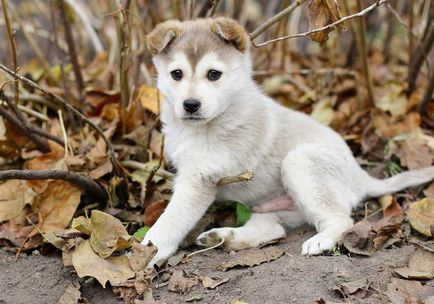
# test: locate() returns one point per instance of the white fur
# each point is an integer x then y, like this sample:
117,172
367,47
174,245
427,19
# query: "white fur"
243,129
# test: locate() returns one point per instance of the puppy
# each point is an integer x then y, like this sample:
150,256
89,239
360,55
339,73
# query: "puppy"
217,122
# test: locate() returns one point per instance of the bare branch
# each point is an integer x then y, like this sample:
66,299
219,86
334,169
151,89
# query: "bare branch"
264,26
89,186
356,15
243,177
72,109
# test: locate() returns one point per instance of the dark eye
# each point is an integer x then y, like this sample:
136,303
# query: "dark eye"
214,75
176,75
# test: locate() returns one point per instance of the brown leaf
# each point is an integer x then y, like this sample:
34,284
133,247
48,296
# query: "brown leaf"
415,154
429,191
358,239
106,241
153,212
250,258
14,195
420,266
212,283
102,169
181,283
71,296
86,262
57,205
405,292
358,288
19,236
141,256
390,206
150,99
421,216
322,13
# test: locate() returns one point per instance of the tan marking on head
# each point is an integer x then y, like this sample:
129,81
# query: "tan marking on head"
163,35
230,31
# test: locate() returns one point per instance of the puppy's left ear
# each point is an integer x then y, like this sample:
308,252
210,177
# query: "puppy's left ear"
230,31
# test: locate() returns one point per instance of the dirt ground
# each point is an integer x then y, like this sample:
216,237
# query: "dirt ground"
289,279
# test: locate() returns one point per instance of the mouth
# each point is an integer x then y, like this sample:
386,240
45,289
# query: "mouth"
193,118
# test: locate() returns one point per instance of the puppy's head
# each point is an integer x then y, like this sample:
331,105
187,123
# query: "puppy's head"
201,66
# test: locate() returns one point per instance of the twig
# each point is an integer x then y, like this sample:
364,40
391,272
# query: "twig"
12,43
208,6
33,132
206,249
363,51
85,183
420,53
243,177
427,96
264,26
410,36
356,15
143,167
65,136
71,48
73,110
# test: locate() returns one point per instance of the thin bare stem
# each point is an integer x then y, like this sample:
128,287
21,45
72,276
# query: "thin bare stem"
72,109
243,177
264,26
12,43
331,25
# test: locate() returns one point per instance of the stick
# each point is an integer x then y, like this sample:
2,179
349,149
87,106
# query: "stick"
264,26
71,48
208,6
11,36
32,132
243,177
73,110
83,182
357,15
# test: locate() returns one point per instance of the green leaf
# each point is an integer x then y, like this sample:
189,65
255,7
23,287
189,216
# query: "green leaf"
243,214
140,233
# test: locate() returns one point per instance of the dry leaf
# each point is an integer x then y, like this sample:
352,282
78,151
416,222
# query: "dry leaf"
57,205
21,237
106,241
71,296
390,206
181,283
14,195
405,292
150,99
104,168
212,283
420,266
421,216
86,262
429,191
415,154
322,13
153,212
253,257
357,289
141,256
358,239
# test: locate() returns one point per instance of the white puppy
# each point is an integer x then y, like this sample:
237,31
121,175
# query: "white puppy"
217,122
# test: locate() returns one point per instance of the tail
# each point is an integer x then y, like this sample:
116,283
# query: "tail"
378,187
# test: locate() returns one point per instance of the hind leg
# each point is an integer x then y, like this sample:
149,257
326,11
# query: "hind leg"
313,176
262,228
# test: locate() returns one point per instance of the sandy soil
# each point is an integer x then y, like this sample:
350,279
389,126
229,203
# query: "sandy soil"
290,279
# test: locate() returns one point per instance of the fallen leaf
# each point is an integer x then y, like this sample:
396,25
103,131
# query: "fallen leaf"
322,13
429,191
54,240
253,257
14,195
212,283
358,239
141,255
421,216
238,302
194,298
153,212
390,206
87,262
415,154
141,232
104,168
106,241
176,259
420,266
57,205
82,224
20,237
357,289
323,112
181,283
150,99
71,296
393,99
404,292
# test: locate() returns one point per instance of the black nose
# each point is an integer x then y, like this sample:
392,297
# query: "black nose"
191,105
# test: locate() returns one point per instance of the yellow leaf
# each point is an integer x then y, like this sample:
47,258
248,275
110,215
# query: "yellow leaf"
421,216
150,99
86,262
322,13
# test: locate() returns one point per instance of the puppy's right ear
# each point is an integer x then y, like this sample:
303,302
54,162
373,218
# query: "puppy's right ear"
162,36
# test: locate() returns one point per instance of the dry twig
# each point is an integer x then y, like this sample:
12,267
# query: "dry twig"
356,15
243,177
89,186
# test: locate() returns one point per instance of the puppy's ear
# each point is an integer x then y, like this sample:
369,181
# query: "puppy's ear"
162,36
230,31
